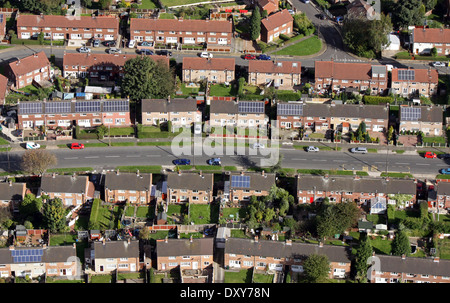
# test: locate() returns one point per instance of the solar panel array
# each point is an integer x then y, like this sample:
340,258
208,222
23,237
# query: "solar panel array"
406,74
289,109
57,107
240,181
27,108
116,106
87,107
27,255
251,107
410,113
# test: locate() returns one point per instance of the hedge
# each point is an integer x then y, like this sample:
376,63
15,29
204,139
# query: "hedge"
377,100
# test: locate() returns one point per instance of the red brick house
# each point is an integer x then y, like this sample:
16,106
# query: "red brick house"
215,70
25,71
276,24
270,6
414,82
108,256
280,74
423,40
339,76
12,194
57,27
187,187
132,188
4,89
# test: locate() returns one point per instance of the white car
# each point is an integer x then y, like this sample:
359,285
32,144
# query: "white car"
32,145
359,150
84,49
132,44
198,129
312,149
114,50
258,145
206,55
438,64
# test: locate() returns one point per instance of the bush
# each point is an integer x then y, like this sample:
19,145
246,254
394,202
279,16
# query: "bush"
375,100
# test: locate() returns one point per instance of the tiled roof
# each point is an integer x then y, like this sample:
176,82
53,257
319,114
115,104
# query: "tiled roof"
345,110
190,181
80,22
277,19
258,181
10,192
219,64
184,247
422,75
51,254
410,265
344,71
77,59
64,184
116,249
427,113
283,67
128,181
431,35
443,188
29,64
3,88
166,106
269,5
180,25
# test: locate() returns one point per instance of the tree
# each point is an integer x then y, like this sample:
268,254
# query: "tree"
316,268
335,219
104,4
147,79
40,38
407,12
363,253
241,84
30,205
255,24
37,161
101,131
54,215
401,245
434,52
390,134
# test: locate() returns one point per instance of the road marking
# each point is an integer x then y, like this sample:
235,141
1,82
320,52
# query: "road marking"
93,157
153,155
339,161
317,160
112,156
380,162
422,164
401,163
299,159
71,158
138,156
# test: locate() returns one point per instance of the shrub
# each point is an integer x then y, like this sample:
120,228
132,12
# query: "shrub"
375,100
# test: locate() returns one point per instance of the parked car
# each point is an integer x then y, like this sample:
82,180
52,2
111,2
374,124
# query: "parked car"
17,133
181,161
291,11
258,145
96,43
146,43
359,150
264,57
305,1
430,155
132,43
445,171
438,64
77,146
109,43
250,57
114,50
197,129
32,145
214,161
146,51
321,16
443,156
165,53
84,49
312,149
205,55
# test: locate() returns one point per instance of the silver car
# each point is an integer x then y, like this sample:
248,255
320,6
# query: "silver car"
312,149
359,150
114,50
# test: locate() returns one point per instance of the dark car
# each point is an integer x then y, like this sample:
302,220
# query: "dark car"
214,161
109,43
145,51
165,53
321,16
182,162
264,57
443,156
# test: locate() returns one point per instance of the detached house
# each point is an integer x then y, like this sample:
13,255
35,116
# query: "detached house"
133,188
186,187
12,194
181,112
57,27
267,5
72,190
215,70
25,71
109,256
414,82
428,119
283,256
314,189
423,40
215,34
243,114
240,187
184,254
280,74
279,23
338,76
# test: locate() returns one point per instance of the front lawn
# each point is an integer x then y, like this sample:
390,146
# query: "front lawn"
101,279
120,131
169,3
262,278
306,47
243,276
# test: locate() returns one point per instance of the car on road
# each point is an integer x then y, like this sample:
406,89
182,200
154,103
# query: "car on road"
359,150
132,43
182,162
96,43
305,1
430,155
312,149
445,171
258,145
214,161
250,57
443,156
114,50
165,53
77,145
146,51
32,145
438,64
84,49
264,57
205,55
109,43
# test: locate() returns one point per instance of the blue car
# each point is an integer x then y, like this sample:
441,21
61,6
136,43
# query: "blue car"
264,57
214,161
182,162
445,171
147,52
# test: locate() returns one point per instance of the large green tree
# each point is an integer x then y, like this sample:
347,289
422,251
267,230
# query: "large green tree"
336,218
407,12
255,24
363,253
316,268
401,245
54,215
146,79
30,205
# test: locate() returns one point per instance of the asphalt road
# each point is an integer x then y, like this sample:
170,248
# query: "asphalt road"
110,157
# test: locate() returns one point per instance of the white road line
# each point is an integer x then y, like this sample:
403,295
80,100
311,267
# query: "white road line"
153,155
112,156
317,160
340,161
71,158
400,163
296,159
132,156
93,157
422,164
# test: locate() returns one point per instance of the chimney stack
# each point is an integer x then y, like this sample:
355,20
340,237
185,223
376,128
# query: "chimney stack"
320,244
436,259
256,239
118,172
137,172
166,239
262,173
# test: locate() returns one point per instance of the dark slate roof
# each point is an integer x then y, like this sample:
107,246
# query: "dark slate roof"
11,192
189,180
52,254
432,114
221,106
277,249
258,181
424,266
184,247
361,185
63,184
128,181
166,106
443,188
116,249
346,110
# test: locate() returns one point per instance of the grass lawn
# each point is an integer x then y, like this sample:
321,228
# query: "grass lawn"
148,4
262,278
176,209
381,246
155,169
131,275
221,90
145,212
187,91
303,48
101,279
203,214
440,140
166,16
130,211
239,233
62,239
233,212
243,276
444,248
170,3
100,215
3,141
396,175
121,131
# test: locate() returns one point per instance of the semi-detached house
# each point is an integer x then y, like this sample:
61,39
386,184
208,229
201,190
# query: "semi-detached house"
135,188
414,82
280,74
214,70
25,71
423,40
180,112
427,119
242,114
276,24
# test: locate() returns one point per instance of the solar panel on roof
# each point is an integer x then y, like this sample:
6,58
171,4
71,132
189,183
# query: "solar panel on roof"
289,109
410,113
87,107
251,107
406,74
57,107
27,255
30,108
116,106
240,181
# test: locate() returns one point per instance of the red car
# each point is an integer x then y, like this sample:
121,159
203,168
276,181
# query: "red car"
76,146
430,155
250,57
